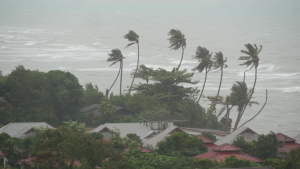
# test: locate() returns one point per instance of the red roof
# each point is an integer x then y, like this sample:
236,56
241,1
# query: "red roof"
219,154
226,147
205,139
144,150
281,137
2,154
288,146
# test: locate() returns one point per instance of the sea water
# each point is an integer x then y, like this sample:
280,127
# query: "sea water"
76,36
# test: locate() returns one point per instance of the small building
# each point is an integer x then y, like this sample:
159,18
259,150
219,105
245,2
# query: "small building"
290,143
208,142
152,142
247,133
93,111
197,131
297,138
125,128
22,129
161,122
219,153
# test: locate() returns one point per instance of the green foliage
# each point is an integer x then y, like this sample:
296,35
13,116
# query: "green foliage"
134,137
204,57
233,162
275,163
132,37
142,73
75,126
180,143
293,159
91,95
177,39
167,87
252,59
247,147
107,113
209,135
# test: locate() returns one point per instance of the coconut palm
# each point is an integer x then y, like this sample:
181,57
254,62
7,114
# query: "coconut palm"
252,60
177,40
204,57
143,72
134,38
116,56
219,63
240,97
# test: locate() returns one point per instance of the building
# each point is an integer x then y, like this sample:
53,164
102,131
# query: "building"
208,142
197,131
247,133
161,122
93,111
22,129
152,142
297,138
290,143
219,153
125,128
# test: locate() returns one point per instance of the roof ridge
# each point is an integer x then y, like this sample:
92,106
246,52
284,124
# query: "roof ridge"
287,137
251,156
222,145
4,127
206,138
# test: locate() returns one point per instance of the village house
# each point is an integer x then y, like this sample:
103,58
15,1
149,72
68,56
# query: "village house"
208,142
197,131
219,153
93,111
297,138
289,144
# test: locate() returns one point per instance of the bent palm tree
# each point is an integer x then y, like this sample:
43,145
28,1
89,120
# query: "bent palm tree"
177,40
204,57
219,63
251,60
134,38
142,72
116,56
240,97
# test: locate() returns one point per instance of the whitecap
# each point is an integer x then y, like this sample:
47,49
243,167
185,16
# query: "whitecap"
99,44
268,67
30,43
80,48
184,62
62,68
131,54
288,89
15,60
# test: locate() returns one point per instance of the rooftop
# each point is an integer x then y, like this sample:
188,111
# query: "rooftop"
163,118
248,134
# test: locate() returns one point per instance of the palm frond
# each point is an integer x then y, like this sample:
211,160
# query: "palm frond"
129,45
177,39
132,36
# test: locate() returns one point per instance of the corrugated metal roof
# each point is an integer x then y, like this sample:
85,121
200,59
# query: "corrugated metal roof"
91,107
18,129
213,131
297,138
238,132
160,137
126,128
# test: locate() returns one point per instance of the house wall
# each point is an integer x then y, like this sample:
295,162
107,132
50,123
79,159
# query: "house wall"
158,127
106,134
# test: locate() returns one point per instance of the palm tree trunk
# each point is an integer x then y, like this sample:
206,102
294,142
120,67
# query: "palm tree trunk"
121,66
181,58
137,66
115,80
220,82
203,84
227,115
248,100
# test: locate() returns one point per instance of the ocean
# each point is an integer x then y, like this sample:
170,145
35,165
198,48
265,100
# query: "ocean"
76,36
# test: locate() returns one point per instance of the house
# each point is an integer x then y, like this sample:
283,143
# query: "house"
219,153
161,122
152,142
22,129
93,111
125,128
290,143
247,133
297,138
144,150
197,131
208,142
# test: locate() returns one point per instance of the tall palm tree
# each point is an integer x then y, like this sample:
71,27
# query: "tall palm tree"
134,39
204,57
252,60
240,97
143,72
219,63
116,56
177,40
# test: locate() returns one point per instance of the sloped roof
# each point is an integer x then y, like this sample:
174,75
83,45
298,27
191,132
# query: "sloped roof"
281,138
240,131
297,138
288,146
226,147
213,131
91,107
163,118
126,128
160,137
205,139
219,154
18,129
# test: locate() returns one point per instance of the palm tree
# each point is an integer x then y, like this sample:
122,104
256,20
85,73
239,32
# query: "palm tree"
142,72
134,38
204,57
116,56
240,97
219,63
252,60
177,40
